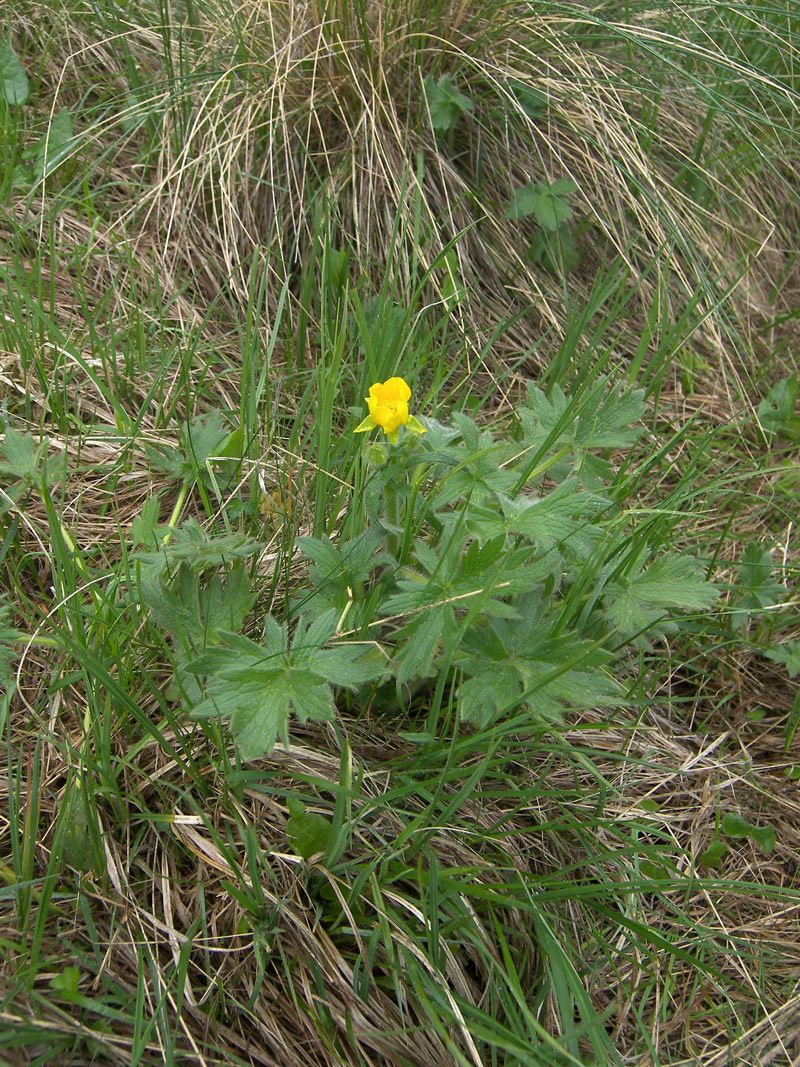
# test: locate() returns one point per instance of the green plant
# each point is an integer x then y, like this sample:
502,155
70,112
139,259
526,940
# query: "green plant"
446,104
737,828
26,466
554,243
14,85
497,563
776,412
757,591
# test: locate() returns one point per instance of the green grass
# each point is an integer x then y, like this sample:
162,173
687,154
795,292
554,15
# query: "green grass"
493,848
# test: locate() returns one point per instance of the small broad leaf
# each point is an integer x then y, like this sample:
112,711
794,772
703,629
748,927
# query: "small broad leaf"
761,590
25,462
66,983
144,525
14,86
203,438
777,407
733,825
339,569
206,441
601,419
532,101
656,872
73,822
55,146
755,568
713,854
555,518
524,202
8,639
453,291
556,250
445,103
788,654
196,615
22,177
553,208
764,837
188,610
308,833
21,455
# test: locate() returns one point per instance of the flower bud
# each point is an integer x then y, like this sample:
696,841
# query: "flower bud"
377,454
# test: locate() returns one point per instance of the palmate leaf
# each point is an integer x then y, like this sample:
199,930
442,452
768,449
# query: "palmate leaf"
438,436
25,463
562,517
194,614
339,569
258,686
481,578
186,609
458,575
203,438
484,695
22,458
512,662
642,603
607,419
259,710
418,642
548,202
553,207
600,420
477,475
788,654
190,544
446,103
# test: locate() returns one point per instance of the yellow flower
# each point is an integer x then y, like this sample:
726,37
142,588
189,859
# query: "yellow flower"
388,408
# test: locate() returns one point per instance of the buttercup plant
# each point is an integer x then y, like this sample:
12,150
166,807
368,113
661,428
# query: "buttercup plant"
487,568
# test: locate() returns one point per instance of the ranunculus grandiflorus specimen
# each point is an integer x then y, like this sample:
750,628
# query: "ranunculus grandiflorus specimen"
388,409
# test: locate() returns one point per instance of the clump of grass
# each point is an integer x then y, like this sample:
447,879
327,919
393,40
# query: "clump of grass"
256,123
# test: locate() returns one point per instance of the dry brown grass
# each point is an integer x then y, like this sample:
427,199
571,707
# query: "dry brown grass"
305,117
152,897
